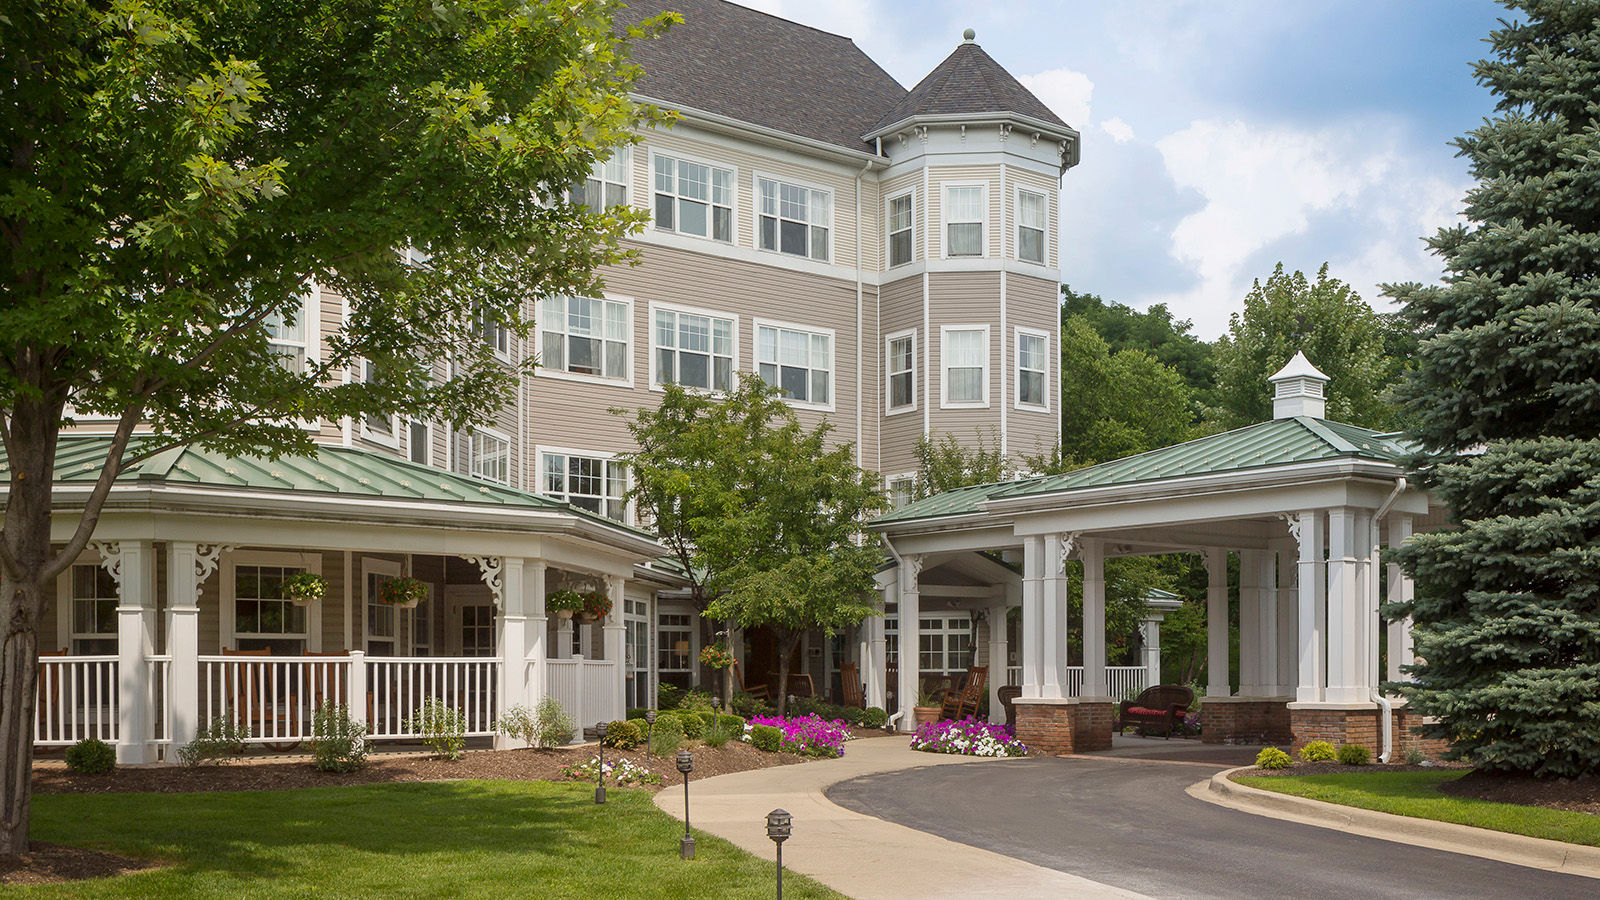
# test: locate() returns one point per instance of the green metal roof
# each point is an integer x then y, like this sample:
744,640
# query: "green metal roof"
333,471
1276,443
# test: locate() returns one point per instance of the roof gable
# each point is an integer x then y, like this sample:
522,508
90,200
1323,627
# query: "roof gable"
968,81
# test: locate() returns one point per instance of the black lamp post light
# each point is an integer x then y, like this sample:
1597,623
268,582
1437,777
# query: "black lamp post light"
686,765
779,826
650,731
600,769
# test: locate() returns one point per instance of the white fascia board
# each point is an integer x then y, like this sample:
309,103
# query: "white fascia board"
991,536
1025,124
728,125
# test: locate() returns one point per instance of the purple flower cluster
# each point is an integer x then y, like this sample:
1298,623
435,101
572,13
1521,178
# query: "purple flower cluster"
811,735
968,737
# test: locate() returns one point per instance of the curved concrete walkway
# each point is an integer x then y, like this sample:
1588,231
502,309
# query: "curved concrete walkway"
859,855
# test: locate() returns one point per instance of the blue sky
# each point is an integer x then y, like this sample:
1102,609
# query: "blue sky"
1222,137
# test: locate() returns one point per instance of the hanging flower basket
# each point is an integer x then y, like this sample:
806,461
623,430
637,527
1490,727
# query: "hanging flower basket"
596,606
716,656
303,588
563,603
405,592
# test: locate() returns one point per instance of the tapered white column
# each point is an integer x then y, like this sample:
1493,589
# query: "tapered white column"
997,659
1288,621
1033,627
1094,620
1401,590
1250,623
1311,610
1150,647
910,640
1217,684
512,595
876,666
615,644
133,565
1345,662
188,567
1264,617
533,592
1054,617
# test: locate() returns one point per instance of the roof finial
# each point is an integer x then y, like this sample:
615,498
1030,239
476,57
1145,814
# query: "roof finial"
969,36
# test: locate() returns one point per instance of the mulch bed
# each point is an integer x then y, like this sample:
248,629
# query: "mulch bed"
1338,768
49,863
1572,794
286,773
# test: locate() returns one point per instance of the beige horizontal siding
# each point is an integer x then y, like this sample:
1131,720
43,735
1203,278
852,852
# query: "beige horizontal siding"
939,176
965,298
1033,303
901,304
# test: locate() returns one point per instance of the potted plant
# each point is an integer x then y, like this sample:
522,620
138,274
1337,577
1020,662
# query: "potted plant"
563,603
596,606
927,708
405,592
716,656
303,588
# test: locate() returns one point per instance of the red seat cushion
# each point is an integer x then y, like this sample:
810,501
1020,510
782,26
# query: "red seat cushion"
1145,711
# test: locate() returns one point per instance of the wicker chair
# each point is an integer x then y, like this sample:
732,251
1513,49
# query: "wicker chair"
1162,706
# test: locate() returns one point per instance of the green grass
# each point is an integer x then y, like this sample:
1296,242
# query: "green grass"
452,839
1415,794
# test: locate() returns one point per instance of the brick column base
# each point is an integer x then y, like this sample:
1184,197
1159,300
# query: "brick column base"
1245,720
1364,727
1406,736
1047,726
1092,728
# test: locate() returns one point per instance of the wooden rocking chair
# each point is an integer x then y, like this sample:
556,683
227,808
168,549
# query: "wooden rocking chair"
254,706
756,691
959,704
854,693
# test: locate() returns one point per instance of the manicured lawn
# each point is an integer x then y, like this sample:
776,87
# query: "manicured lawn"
450,839
1413,794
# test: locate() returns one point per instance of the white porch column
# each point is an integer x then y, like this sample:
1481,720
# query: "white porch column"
615,642
1094,620
1401,590
1053,617
1262,565
1367,602
1311,608
997,659
1250,623
1217,624
1345,662
1033,630
533,591
1150,646
188,567
910,639
133,565
875,668
1288,622
512,594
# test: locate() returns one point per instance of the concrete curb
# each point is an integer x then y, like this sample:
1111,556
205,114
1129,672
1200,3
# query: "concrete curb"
1537,853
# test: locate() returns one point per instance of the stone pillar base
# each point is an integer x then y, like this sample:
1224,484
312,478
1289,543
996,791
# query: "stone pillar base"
1047,725
1092,725
1245,720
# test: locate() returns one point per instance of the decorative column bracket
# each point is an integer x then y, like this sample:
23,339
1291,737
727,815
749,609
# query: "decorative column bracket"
491,569
206,559
1069,542
1295,522
110,558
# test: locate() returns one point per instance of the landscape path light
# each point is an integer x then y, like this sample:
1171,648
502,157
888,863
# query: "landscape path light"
686,765
650,731
600,773
779,826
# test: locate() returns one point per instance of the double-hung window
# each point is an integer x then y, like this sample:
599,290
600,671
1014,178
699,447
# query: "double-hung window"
585,336
1032,213
375,426
900,242
290,334
694,198
1033,366
900,357
794,219
596,484
607,185
966,365
693,350
495,334
797,362
262,618
419,442
902,489
490,456
94,610
964,216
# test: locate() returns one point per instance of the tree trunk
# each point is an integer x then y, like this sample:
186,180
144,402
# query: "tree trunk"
786,648
19,673
727,675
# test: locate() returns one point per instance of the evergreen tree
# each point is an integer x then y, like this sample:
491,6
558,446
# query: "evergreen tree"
1505,403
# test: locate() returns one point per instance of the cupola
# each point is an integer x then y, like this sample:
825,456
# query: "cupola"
1298,390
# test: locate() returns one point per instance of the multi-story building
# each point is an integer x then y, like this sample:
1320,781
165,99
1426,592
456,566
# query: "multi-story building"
886,257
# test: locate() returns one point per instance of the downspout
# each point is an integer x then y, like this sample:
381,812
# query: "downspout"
1383,702
860,401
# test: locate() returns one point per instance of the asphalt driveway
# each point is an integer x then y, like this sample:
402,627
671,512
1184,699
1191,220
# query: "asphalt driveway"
1127,822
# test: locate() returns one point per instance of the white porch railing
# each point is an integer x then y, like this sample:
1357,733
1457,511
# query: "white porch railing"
77,700
1120,680
586,688
158,699
399,686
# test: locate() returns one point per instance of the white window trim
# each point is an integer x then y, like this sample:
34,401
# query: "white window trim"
472,461
888,390
65,633
227,637
432,619
694,637
428,448
944,219
392,440
889,235
1016,220
542,371
370,567
833,358
889,480
733,206
1016,369
538,455
693,311
625,152
501,331
755,213
944,368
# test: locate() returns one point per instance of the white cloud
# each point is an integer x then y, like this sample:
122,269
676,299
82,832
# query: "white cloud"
1118,130
1066,92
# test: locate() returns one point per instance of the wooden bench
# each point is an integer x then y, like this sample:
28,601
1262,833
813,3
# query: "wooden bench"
1162,706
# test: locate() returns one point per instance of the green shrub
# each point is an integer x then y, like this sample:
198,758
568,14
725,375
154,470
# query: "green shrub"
519,723
668,696
340,742
748,706
1318,751
718,734
697,700
1415,757
1273,758
709,718
91,756
441,727
854,715
874,717
766,737
555,727
220,740
643,726
732,724
667,737
693,726
622,735
1354,755
636,713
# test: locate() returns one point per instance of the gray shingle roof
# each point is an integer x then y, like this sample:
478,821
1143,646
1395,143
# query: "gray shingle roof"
757,68
968,81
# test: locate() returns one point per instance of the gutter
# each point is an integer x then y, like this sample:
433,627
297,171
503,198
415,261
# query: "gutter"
1383,702
773,136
